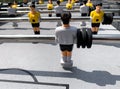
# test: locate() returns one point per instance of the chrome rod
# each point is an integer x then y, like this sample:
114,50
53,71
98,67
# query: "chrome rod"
47,19
45,7
28,38
52,11
101,38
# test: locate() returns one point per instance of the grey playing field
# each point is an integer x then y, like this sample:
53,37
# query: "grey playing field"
26,65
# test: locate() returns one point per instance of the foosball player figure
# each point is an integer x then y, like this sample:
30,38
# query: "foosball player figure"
65,36
96,18
34,18
50,7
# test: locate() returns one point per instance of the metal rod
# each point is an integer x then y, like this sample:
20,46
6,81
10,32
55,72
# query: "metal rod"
101,38
105,10
47,19
44,6
107,37
52,11
64,4
28,38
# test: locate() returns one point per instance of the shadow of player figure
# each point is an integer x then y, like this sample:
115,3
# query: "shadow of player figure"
101,78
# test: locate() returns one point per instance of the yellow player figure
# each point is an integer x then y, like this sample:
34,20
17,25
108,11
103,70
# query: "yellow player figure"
96,18
34,18
50,7
89,4
69,5
14,4
41,1
61,0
